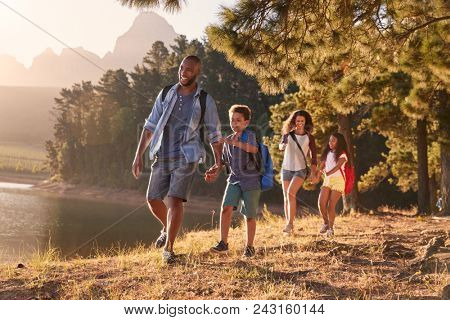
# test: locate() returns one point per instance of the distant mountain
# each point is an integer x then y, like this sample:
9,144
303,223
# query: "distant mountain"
11,71
25,114
131,47
76,64
49,69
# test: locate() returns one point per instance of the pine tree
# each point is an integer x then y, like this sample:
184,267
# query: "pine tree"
388,92
425,57
275,40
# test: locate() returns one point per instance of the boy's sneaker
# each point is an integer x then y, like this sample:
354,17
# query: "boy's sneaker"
330,232
168,257
289,228
249,252
220,247
324,228
161,241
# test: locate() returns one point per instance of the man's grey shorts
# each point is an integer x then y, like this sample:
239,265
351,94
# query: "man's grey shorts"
171,177
288,175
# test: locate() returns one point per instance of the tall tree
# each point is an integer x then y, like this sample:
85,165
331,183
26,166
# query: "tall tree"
389,92
425,56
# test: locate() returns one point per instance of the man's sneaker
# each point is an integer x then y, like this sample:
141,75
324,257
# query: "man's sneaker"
330,232
324,228
288,229
168,256
249,252
161,241
220,247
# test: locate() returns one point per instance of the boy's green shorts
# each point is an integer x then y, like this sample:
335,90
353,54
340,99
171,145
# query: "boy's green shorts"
234,194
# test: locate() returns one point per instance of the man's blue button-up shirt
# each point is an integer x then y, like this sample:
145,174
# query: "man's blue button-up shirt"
191,146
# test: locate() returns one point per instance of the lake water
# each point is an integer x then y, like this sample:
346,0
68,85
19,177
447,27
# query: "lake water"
29,222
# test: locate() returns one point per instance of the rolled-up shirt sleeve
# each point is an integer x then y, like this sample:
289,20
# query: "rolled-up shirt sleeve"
212,121
155,114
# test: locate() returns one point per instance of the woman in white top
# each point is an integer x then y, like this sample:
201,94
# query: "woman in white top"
332,165
296,134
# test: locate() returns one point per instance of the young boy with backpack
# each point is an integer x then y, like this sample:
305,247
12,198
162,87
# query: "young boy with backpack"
244,159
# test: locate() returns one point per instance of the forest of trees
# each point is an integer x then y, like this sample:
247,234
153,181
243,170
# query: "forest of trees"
361,66
377,72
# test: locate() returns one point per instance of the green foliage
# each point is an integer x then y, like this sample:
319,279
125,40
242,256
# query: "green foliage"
393,117
372,178
277,40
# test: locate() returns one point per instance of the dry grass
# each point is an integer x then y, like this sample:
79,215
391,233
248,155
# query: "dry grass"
353,265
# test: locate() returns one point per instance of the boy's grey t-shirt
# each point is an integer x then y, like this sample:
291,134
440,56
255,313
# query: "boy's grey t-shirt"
176,125
243,170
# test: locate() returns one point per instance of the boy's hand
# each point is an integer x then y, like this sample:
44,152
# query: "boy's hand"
224,140
212,173
231,142
211,177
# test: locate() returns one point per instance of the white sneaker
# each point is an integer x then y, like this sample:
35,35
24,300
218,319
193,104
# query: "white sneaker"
289,228
330,232
324,228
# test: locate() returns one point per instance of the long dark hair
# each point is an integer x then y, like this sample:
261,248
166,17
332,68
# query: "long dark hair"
289,124
341,147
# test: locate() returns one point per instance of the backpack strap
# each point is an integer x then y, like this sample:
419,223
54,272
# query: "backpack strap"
256,158
165,91
225,159
345,164
203,95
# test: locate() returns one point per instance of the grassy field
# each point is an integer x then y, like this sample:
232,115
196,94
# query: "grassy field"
383,256
22,158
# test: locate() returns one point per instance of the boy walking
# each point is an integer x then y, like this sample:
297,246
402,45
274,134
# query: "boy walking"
243,184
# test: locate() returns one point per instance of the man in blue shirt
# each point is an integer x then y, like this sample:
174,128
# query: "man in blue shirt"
173,134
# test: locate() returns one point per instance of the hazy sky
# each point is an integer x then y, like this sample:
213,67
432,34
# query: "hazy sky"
91,24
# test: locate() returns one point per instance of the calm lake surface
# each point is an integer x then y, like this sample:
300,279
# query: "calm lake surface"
29,222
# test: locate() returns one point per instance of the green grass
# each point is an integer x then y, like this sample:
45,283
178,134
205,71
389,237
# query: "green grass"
22,158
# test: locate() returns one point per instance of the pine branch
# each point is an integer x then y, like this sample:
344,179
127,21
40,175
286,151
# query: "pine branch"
168,5
426,24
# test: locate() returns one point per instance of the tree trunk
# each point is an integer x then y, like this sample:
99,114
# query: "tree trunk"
433,193
350,201
423,194
445,180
